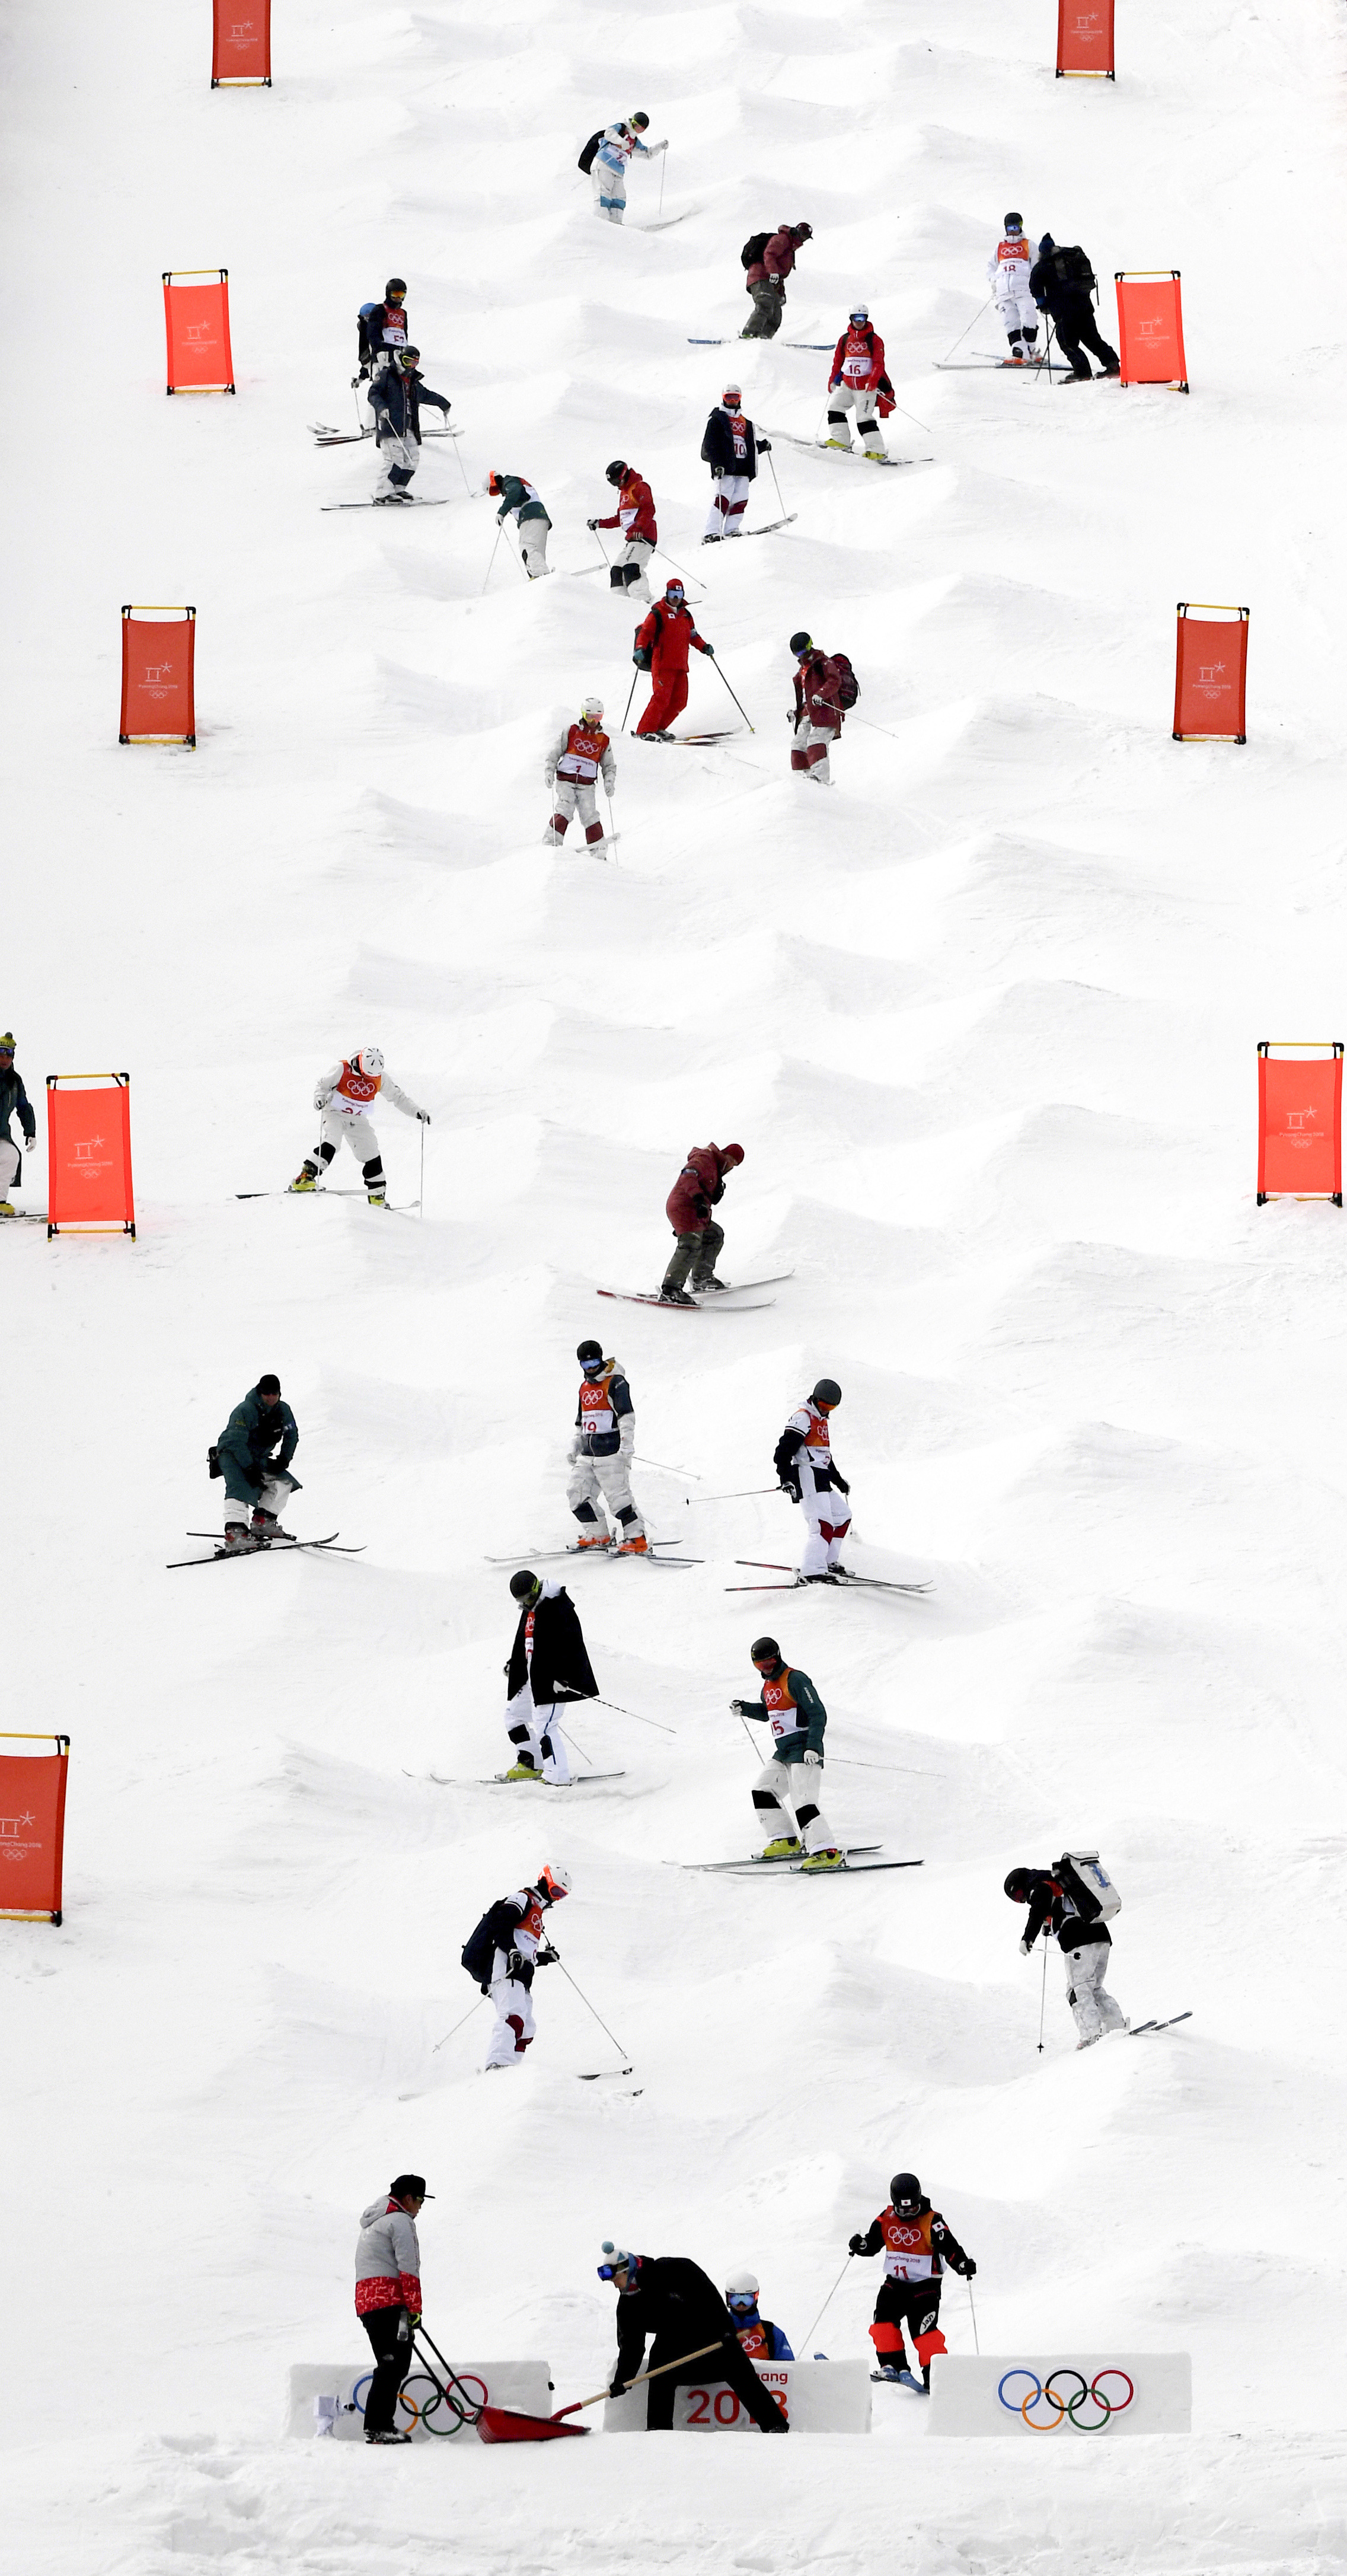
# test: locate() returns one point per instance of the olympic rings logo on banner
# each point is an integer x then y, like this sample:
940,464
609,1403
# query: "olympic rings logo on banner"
1088,2394
420,2399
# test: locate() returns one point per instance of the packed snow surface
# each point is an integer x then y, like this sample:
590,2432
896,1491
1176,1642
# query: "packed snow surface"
984,1018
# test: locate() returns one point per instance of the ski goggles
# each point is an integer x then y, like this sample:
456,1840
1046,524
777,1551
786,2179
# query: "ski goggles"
741,2304
620,2263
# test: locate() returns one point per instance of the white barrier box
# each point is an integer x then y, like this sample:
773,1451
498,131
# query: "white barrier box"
1062,2393
329,2397
816,2396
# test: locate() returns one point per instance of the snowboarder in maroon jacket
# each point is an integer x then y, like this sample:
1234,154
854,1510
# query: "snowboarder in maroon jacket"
698,1188
663,640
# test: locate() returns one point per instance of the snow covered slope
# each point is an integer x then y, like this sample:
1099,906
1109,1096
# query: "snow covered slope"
984,1018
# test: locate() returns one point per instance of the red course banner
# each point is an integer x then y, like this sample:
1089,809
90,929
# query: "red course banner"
1299,1124
89,1153
32,1830
1085,39
196,322
1150,327
241,58
158,664
1210,664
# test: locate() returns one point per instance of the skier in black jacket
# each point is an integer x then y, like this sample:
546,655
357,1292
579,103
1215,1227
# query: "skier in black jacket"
731,447
1061,1902
12,1097
502,1954
916,2245
548,1665
1061,283
395,399
674,2300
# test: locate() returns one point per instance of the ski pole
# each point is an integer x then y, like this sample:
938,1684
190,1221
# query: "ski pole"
612,836
635,1712
627,709
663,163
1042,2009
422,1125
608,2034
448,433
771,460
443,2043
740,1497
493,557
742,709
964,334
826,2305
639,2382
971,2309
685,1472
519,559
1047,353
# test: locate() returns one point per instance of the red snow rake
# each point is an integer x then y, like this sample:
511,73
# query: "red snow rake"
501,2424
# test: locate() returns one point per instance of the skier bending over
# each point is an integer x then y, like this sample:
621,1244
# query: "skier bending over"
1009,270
786,1791
605,1435
502,1954
731,447
674,2300
1062,283
700,1186
519,501
548,1665
395,398
761,2340
608,169
381,328
344,1094
803,1460
858,383
635,516
574,762
825,686
917,2247
1061,1901
663,641
768,259
13,1098
388,2297
253,1455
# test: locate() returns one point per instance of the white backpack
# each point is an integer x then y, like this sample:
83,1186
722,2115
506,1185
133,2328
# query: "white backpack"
1095,1879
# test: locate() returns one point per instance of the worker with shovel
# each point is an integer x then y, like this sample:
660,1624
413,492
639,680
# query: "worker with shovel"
678,2303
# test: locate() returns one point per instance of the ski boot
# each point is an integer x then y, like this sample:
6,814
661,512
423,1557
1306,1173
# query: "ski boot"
710,1286
832,1858
523,1771
385,2438
5,1208
306,1178
263,1526
237,1541
378,1198
843,443
633,1547
676,1297
906,2380
605,1541
887,2370
785,1847
828,1577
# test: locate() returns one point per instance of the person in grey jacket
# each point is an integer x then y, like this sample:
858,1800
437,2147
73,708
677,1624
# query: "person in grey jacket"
253,1455
12,1097
388,2296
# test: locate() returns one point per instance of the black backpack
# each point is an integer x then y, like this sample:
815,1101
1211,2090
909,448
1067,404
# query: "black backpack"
1073,268
478,1954
848,687
586,160
753,249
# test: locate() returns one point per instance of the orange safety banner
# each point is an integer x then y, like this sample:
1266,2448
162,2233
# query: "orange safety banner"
196,322
242,48
89,1153
32,1831
1150,328
1209,670
1299,1125
1085,38
158,666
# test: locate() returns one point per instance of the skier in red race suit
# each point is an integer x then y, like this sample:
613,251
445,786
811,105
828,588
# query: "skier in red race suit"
635,516
858,383
663,641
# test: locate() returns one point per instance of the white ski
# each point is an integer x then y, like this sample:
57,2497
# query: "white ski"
632,1297
1138,2027
757,1860
414,503
500,1779
857,455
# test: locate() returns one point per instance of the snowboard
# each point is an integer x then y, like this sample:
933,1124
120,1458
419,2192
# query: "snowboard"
648,1297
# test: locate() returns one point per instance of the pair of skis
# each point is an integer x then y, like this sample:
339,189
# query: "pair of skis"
821,348
857,455
702,1298
328,435
650,1555
1140,2026
856,1861
389,1209
281,1545
835,1582
500,1779
1017,366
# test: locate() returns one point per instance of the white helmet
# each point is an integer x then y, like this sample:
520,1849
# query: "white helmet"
859,313
742,2286
553,1881
591,707
369,1061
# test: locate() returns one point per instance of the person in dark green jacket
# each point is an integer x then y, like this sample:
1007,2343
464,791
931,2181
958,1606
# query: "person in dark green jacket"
519,501
12,1097
253,1455
787,1791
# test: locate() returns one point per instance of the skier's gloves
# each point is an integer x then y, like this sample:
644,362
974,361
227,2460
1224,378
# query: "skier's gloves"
764,447
1025,1948
791,1485
841,1483
514,1962
547,1957
423,1117
969,2269
641,658
746,1707
708,649
814,1761
591,523
616,2384
856,2245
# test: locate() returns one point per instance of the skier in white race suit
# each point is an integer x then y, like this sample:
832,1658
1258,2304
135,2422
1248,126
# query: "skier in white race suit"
575,761
608,169
515,1926
344,1096
601,1446
803,1460
1008,269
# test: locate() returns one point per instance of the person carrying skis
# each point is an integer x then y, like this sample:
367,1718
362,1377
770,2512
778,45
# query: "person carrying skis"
804,1463
635,516
663,641
858,383
673,2299
768,259
519,501
502,1954
825,686
1061,283
576,760
731,447
785,1794
761,2340
381,328
1062,1903
548,1666
344,1095
395,398
700,1186
917,2247
253,1455
1009,270
621,142
388,2296
601,1447
13,1097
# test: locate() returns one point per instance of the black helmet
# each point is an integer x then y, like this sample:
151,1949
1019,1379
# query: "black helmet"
586,1351
524,1584
614,472
407,357
761,1648
801,232
640,121
1018,1884
1014,223
826,1392
801,643
396,286
905,2191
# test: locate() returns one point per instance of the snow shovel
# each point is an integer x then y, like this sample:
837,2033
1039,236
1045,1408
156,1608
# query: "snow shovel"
500,2424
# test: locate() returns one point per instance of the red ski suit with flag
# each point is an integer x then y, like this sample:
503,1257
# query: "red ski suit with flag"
667,634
